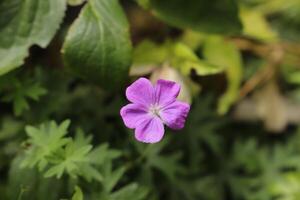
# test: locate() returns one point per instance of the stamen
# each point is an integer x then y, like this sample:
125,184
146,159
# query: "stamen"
154,110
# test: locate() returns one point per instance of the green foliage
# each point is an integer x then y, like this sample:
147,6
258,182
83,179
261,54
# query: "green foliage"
262,29
110,180
222,53
20,92
44,141
167,165
52,151
215,16
26,23
97,47
288,188
267,172
75,2
29,184
9,128
78,194
176,54
131,191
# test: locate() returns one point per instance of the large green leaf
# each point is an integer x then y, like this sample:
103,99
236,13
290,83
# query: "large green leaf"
216,16
24,23
98,47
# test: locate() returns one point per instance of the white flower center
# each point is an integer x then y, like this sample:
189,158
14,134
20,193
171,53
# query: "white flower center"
154,109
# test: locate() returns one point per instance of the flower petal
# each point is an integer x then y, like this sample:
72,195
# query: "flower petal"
133,114
150,131
166,92
140,92
174,114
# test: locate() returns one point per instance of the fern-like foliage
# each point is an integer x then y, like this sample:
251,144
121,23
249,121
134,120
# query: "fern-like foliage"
21,92
56,154
44,140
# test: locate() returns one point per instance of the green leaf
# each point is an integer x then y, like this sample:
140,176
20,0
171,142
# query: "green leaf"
262,29
21,92
111,177
72,156
78,195
97,47
219,52
53,152
106,154
24,23
291,74
9,128
215,16
148,53
176,54
131,191
186,60
169,164
44,140
29,184
75,2
78,159
288,187
147,56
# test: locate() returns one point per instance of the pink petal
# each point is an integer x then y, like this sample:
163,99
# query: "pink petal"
133,114
166,92
140,92
174,114
150,131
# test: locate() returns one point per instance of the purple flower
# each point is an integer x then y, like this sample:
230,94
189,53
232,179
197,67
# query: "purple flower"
153,106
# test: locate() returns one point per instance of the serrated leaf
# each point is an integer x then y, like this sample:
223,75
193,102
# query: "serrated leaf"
215,16
23,24
89,172
97,47
111,177
167,164
131,191
44,140
106,154
73,156
21,92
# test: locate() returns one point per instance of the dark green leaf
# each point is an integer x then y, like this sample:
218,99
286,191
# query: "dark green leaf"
20,94
24,23
98,47
214,16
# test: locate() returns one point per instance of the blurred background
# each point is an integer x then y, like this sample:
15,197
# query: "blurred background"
61,90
